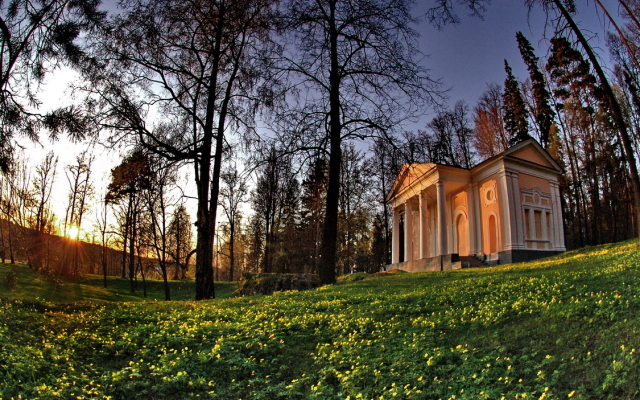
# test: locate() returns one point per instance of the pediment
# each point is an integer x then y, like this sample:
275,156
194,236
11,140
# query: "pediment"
531,151
409,173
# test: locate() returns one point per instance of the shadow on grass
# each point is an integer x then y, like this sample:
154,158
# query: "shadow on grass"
34,286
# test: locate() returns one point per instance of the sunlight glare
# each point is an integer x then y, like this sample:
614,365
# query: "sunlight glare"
73,232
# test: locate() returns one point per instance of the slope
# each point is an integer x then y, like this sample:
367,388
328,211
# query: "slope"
564,327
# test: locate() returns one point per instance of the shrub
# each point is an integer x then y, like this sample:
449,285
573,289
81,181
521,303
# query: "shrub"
253,284
358,276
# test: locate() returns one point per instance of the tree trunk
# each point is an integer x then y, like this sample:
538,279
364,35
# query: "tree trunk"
614,106
178,248
327,270
104,268
132,254
144,281
167,292
11,254
208,195
204,259
127,224
2,250
231,250
104,256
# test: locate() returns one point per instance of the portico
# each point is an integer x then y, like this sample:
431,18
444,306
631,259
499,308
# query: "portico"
505,209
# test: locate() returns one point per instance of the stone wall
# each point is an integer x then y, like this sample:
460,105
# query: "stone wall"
437,263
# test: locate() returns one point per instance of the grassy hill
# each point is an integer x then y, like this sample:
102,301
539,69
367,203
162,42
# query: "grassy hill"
33,286
564,327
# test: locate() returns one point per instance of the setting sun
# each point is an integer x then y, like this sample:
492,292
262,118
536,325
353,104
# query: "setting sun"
73,232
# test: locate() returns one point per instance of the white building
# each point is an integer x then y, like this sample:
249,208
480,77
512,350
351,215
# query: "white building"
506,209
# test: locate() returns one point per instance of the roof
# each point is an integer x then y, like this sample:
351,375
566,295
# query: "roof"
528,152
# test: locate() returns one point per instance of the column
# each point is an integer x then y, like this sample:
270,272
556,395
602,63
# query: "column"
557,217
433,241
408,222
395,237
423,233
472,216
543,222
478,218
442,219
505,211
517,210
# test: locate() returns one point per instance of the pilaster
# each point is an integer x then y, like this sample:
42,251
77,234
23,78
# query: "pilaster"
408,236
423,232
516,210
506,214
395,237
442,218
557,217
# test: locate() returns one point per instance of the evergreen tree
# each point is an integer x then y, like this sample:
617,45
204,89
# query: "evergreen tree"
570,72
313,200
515,110
543,112
180,240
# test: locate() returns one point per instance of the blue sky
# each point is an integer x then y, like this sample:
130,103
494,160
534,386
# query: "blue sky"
471,54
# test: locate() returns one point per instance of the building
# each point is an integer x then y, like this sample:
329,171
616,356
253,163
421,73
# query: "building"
505,209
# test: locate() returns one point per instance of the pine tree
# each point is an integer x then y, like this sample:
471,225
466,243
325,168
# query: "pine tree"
571,72
544,114
515,110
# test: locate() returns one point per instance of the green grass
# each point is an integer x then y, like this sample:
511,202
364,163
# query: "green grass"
33,286
564,327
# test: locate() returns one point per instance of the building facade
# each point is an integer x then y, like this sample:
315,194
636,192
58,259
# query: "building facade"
506,209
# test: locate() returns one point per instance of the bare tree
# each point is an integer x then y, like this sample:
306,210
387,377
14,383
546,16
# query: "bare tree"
16,205
233,192
449,137
385,165
80,191
269,202
355,209
102,218
42,215
490,137
196,63
355,64
157,198
128,181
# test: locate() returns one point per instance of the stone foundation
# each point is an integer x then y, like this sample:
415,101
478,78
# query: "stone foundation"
437,263
516,256
452,261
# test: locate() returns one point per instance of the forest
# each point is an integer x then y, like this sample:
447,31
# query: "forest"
289,121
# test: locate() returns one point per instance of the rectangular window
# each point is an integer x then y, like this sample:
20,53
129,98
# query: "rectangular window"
538,222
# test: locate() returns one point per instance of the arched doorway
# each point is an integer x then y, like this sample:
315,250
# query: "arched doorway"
493,234
462,235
